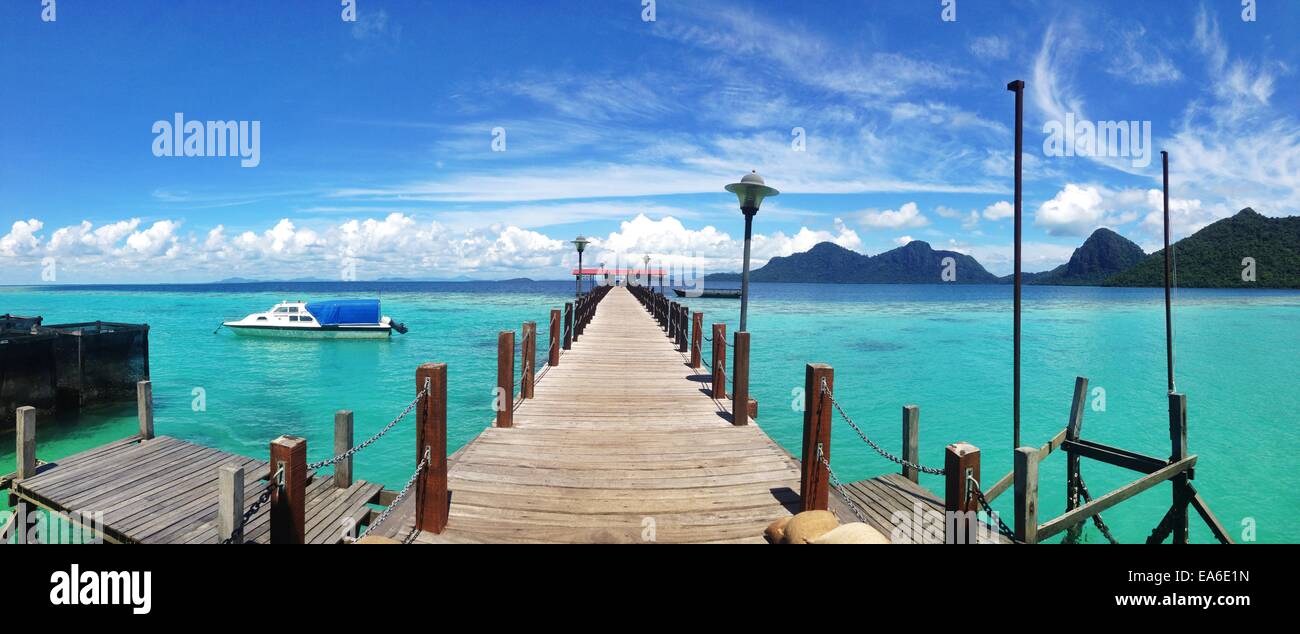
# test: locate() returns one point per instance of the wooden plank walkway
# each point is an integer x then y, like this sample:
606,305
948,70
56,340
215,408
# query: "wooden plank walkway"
884,499
623,443
164,490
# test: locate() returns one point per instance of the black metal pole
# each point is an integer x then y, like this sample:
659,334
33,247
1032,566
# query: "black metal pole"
744,278
1018,87
1169,315
578,282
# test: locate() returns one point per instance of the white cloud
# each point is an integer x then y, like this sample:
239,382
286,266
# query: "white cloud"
990,47
21,238
909,215
903,240
999,210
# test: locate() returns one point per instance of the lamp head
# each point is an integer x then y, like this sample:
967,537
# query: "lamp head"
581,243
750,191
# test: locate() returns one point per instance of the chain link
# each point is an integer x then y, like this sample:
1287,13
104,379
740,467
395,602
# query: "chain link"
424,462
839,486
1096,519
312,466
888,456
988,510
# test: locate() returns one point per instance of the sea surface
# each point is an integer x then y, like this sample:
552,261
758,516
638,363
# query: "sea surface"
947,349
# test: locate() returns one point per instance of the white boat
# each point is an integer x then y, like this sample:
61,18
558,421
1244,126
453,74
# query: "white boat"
335,319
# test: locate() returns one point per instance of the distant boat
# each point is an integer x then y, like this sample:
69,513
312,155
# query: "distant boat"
718,293
336,319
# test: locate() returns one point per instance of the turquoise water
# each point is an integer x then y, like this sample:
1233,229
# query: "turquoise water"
944,348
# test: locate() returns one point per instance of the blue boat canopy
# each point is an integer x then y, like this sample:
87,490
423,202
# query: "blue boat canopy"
345,311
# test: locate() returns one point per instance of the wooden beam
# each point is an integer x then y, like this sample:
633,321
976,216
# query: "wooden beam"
1073,428
230,504
505,395
719,361
911,441
568,326
961,464
1178,440
528,359
1116,456
1098,505
740,380
814,477
1004,483
26,442
554,358
144,408
1026,470
697,338
289,502
343,435
1216,527
432,499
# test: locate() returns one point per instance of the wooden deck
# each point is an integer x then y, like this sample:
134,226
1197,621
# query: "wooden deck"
164,490
623,443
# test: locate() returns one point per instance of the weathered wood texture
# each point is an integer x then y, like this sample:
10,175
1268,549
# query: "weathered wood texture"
902,510
621,444
166,491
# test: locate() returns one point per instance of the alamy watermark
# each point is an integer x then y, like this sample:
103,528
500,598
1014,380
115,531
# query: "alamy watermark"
209,138
1115,139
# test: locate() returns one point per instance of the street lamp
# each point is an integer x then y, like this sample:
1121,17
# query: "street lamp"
581,243
751,191
648,284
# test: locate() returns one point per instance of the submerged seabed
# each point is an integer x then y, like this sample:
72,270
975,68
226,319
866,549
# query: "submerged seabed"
944,348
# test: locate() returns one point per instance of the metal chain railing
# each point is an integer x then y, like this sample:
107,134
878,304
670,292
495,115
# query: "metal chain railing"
888,456
312,466
276,481
1096,519
839,486
988,510
424,462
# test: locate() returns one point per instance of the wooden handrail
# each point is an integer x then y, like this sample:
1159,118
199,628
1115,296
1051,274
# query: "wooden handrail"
1104,502
1005,481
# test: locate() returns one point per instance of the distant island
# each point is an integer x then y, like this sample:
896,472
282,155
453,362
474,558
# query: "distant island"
1210,258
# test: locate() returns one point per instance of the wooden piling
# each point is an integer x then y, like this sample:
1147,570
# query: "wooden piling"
1073,429
26,435
911,441
740,380
144,408
528,359
230,504
697,339
814,477
554,358
961,464
719,361
289,501
1178,440
568,325
432,499
1026,492
505,394
343,434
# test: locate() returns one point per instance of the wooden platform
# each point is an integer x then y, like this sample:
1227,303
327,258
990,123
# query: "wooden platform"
906,512
164,490
623,443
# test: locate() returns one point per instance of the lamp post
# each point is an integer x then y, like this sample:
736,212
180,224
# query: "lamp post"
751,190
581,243
646,271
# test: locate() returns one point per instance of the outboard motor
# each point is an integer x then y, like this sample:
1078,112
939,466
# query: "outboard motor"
399,327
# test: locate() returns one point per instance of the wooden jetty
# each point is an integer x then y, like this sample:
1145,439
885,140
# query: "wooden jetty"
628,434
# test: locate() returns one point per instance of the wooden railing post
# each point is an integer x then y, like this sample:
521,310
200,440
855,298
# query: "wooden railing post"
697,339
719,361
289,500
529,359
961,463
740,380
431,496
1178,440
568,325
144,408
230,504
683,329
814,477
505,393
343,429
26,445
911,441
1026,492
1073,429
673,315
554,359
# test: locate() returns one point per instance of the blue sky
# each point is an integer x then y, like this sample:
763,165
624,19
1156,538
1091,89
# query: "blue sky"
376,136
